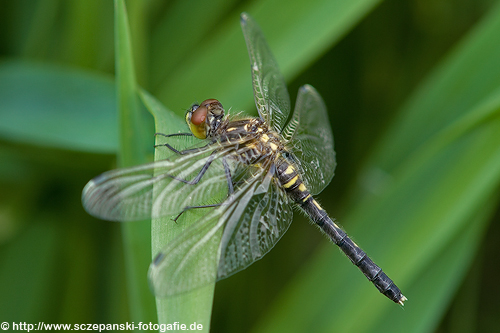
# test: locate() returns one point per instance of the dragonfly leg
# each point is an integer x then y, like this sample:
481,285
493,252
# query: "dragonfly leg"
185,209
204,169
200,174
230,190
181,152
169,146
227,171
174,134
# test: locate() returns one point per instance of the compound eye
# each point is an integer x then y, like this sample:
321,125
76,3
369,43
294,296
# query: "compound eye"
199,116
210,101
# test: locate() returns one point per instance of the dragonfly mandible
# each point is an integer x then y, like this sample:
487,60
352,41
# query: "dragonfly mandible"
264,165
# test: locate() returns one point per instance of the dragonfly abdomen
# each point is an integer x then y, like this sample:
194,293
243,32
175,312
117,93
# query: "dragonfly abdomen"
357,256
294,186
291,181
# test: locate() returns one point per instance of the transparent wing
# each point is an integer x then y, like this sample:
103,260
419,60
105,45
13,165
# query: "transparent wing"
127,194
230,238
310,137
197,250
270,92
254,225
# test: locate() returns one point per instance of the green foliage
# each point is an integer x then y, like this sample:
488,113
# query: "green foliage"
413,91
133,149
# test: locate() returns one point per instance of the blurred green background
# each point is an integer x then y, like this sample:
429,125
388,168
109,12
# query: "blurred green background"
413,92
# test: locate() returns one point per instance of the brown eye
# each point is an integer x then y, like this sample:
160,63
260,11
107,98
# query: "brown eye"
199,116
207,102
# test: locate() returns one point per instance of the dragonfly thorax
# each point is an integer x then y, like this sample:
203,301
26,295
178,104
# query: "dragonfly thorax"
254,139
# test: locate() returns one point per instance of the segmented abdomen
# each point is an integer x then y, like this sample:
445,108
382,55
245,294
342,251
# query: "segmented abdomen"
292,183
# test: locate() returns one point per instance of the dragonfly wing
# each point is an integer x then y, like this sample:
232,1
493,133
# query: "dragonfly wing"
270,92
230,238
253,226
153,190
191,260
310,136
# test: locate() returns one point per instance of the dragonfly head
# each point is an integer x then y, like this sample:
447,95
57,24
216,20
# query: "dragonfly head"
204,119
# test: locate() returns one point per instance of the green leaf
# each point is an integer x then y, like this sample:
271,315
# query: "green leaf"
133,150
57,107
196,305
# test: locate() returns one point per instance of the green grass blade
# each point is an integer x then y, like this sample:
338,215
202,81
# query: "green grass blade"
441,169
82,35
138,18
133,143
470,73
441,280
219,65
196,305
434,205
57,107
39,26
175,37
23,296
72,32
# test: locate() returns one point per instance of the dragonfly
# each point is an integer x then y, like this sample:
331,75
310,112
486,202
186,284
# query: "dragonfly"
260,166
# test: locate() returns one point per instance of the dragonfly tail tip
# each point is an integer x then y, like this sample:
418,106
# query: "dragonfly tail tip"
402,300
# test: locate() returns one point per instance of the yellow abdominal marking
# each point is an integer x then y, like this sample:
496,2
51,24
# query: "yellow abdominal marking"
264,137
302,187
317,204
273,146
289,170
291,182
335,224
305,199
231,129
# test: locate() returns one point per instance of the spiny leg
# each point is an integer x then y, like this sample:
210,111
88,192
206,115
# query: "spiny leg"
203,169
229,179
181,152
185,209
173,134
169,146
200,174
230,190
